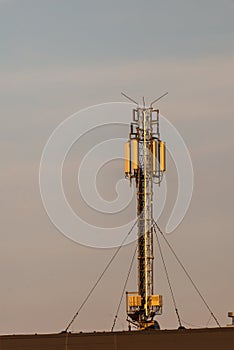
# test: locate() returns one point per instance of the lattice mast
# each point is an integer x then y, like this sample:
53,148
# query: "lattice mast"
144,163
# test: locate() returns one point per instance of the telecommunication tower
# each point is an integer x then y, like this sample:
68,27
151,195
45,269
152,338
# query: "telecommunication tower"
145,164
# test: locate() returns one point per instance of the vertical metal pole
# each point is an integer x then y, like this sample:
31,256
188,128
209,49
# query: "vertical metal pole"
144,136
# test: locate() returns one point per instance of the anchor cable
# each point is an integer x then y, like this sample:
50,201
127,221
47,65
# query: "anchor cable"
99,279
124,288
167,276
187,274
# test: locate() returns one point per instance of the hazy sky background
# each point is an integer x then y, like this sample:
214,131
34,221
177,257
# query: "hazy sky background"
60,56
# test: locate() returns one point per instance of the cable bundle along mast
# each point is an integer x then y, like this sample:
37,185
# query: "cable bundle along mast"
144,163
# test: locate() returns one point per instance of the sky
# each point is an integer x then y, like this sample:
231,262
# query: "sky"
58,57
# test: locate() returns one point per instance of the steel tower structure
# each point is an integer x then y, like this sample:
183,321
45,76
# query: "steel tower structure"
145,163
